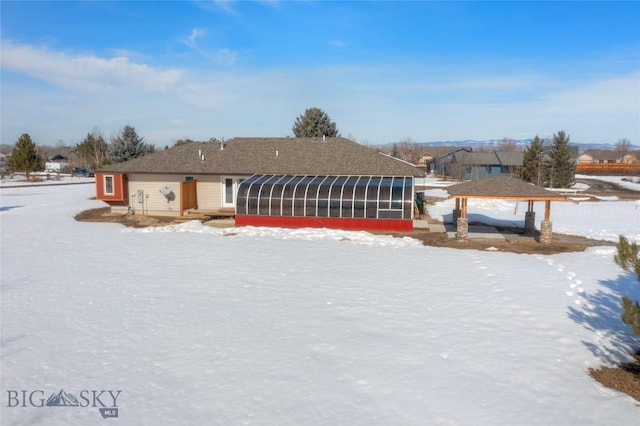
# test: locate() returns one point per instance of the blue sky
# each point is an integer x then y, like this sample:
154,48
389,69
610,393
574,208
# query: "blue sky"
383,71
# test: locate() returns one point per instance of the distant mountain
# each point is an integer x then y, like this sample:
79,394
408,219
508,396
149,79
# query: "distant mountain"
62,399
523,143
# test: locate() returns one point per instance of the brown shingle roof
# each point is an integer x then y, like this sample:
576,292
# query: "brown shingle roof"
505,187
333,156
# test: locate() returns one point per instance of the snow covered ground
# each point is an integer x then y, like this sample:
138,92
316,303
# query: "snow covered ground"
195,325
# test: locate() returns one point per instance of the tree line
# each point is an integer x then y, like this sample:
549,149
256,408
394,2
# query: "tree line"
93,152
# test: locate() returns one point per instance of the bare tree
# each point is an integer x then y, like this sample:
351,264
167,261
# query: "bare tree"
92,151
623,147
507,145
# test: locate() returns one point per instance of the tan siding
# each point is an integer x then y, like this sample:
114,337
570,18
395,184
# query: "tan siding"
209,196
154,202
209,193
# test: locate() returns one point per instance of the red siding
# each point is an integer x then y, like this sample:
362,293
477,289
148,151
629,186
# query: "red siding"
119,195
326,222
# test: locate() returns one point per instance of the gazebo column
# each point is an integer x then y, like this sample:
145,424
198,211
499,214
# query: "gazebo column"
530,219
462,223
546,227
456,212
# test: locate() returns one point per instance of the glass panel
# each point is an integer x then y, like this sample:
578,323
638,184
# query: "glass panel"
287,196
372,197
254,191
323,196
385,193
241,201
360,193
336,196
312,196
408,198
397,189
276,196
347,196
390,214
243,195
264,195
300,192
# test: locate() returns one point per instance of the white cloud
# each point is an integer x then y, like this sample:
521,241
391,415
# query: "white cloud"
620,94
85,72
195,34
374,103
222,57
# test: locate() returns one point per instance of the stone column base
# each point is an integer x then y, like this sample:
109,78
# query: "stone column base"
546,229
462,228
529,222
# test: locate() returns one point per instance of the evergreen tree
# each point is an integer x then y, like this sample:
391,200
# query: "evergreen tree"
562,165
314,123
533,168
127,145
628,257
24,157
92,151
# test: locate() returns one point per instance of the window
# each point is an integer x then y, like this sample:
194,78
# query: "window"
108,185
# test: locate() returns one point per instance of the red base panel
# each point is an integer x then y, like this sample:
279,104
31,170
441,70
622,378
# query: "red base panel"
326,222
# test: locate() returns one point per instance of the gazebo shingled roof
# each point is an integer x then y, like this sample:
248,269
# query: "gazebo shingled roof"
503,187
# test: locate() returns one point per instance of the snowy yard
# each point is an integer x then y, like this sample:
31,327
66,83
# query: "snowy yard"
201,326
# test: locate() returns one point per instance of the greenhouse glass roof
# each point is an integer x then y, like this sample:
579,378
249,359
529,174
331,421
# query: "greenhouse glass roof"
365,197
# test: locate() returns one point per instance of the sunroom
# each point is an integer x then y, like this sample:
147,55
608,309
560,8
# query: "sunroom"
316,201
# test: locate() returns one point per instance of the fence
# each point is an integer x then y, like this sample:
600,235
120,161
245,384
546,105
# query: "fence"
188,196
610,169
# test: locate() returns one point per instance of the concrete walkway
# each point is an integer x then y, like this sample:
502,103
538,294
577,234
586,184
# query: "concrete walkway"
476,232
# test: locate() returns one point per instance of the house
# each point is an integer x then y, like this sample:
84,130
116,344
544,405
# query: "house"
603,156
289,182
480,165
56,166
437,159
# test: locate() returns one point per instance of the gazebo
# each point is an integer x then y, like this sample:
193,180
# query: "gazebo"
504,188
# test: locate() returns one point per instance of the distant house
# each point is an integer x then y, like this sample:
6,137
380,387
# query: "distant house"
437,159
603,156
289,182
481,165
56,166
